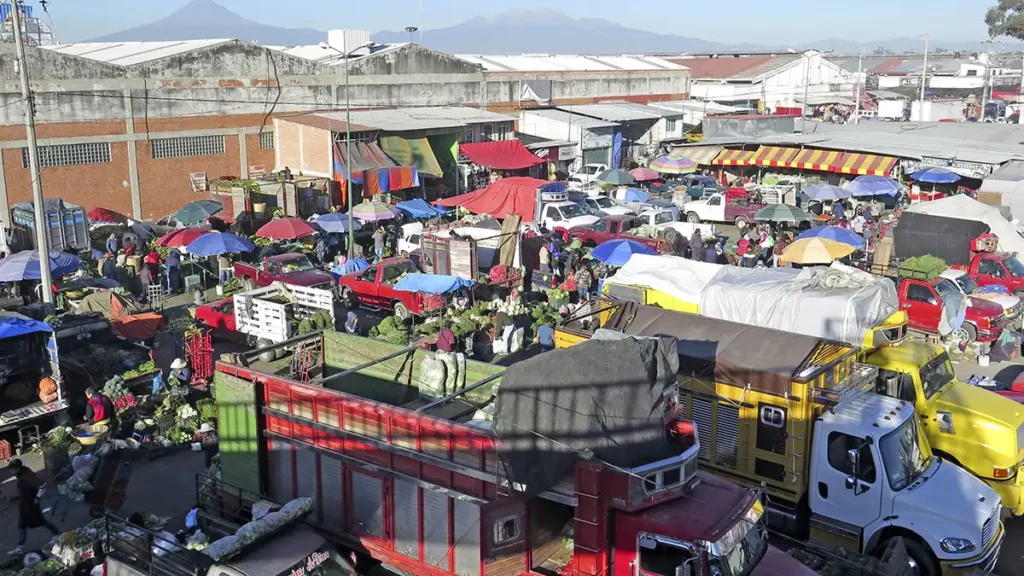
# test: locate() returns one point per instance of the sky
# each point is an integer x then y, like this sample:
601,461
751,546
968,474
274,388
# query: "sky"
757,21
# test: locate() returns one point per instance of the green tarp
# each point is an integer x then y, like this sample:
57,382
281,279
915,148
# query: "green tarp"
412,152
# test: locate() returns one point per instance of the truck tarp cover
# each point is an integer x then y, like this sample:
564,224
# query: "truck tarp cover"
963,207
940,236
835,303
605,397
678,277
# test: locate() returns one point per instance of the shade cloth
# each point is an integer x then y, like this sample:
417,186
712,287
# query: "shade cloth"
774,156
180,237
873,186
935,176
967,208
836,233
25,265
703,155
618,252
412,152
197,211
636,195
364,155
643,174
617,177
816,251
374,212
432,283
826,192
678,277
108,303
105,215
502,155
821,160
856,163
419,208
216,243
285,229
138,327
515,195
13,325
372,168
734,158
334,223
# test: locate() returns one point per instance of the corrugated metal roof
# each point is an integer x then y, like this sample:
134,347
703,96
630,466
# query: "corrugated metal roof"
567,63
705,106
726,68
329,57
402,119
617,112
568,117
129,53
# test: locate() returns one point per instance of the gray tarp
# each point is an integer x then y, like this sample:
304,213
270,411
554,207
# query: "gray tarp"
801,301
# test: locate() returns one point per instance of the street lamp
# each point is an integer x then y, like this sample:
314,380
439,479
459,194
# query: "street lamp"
348,142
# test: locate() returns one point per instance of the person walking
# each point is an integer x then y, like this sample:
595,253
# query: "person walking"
30,514
111,245
584,279
378,243
173,271
696,246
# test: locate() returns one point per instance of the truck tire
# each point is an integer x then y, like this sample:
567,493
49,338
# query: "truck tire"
266,356
921,560
692,218
670,236
740,222
401,311
968,333
348,298
248,283
590,244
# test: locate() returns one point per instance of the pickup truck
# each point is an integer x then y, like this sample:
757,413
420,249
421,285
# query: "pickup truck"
715,209
924,300
613,228
664,220
374,287
565,214
588,172
1002,268
604,206
288,268
968,287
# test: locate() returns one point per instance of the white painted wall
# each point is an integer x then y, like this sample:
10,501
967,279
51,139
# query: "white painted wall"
891,108
935,110
783,88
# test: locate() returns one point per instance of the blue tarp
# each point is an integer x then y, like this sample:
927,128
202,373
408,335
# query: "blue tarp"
432,283
636,195
12,325
351,265
25,265
418,208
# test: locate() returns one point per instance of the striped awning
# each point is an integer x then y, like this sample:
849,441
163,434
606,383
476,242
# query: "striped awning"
698,154
774,156
861,164
734,158
412,152
822,160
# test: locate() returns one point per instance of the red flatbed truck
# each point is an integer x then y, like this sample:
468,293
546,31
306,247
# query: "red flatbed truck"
416,482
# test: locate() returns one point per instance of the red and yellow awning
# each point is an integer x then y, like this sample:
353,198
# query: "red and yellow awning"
774,156
822,160
861,164
734,158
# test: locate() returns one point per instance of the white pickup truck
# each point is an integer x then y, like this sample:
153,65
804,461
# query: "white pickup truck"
662,220
270,314
588,173
715,208
557,211
605,206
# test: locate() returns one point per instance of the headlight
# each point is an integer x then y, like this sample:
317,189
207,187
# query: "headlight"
957,545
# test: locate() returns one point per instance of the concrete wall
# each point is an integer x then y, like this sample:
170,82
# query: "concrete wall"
784,87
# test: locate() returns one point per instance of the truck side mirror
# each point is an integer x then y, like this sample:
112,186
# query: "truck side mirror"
688,568
853,460
933,301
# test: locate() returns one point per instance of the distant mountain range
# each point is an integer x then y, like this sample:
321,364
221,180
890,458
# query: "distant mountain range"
527,30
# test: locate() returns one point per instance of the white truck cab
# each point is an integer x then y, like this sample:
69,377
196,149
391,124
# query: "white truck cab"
967,286
557,211
605,206
663,219
873,476
588,172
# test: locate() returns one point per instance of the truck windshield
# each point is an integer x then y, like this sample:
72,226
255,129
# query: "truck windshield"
296,263
1014,266
603,202
945,288
965,282
936,374
906,454
571,211
742,547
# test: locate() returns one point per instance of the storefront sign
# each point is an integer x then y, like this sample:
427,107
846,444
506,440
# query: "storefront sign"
566,153
592,141
961,167
198,181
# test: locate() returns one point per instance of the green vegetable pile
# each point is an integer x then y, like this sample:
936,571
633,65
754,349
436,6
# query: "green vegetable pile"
115,388
146,368
925,267
392,331
544,314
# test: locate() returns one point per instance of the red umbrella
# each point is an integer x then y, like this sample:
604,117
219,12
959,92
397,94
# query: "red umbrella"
643,174
285,229
106,215
180,237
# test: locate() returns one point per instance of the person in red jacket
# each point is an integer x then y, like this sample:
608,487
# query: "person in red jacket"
99,408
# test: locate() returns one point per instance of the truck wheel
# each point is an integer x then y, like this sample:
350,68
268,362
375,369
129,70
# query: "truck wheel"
692,218
349,299
670,235
967,333
920,559
740,222
401,311
266,356
248,283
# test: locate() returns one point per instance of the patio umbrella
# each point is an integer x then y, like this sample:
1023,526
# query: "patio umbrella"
180,238
617,177
844,235
334,223
143,231
781,213
667,165
285,229
618,252
25,265
935,176
374,211
636,195
644,174
105,215
826,192
869,185
217,243
197,211
816,251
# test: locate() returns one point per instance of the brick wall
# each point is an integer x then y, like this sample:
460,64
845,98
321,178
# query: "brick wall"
164,182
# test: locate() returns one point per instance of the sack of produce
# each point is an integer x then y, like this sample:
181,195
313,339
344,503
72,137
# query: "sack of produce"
297,508
223,548
432,377
451,371
250,531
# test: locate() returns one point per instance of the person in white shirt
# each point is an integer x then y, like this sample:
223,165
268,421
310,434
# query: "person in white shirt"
857,224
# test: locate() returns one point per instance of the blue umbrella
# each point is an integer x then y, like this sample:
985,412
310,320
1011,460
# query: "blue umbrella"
935,176
197,211
25,265
869,185
617,252
216,243
636,195
418,208
834,233
826,192
334,223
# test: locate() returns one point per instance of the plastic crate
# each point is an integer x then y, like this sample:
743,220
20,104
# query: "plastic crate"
5,450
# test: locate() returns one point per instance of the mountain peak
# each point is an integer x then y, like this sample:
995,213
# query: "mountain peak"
202,10
529,15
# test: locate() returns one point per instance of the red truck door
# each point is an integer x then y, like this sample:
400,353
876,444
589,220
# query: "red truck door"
364,287
988,271
599,232
388,277
922,304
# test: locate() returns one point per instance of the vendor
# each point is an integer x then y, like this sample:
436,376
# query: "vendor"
99,409
352,323
180,374
445,339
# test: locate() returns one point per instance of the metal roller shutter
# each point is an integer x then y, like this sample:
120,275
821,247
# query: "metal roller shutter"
367,505
435,529
467,538
305,474
279,473
407,518
332,494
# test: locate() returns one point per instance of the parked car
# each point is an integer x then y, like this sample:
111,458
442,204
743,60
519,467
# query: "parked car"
218,316
715,209
288,268
374,288
588,172
924,301
613,228
605,206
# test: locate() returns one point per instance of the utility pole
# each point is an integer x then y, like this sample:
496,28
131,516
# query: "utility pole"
856,96
807,83
33,159
1020,92
924,79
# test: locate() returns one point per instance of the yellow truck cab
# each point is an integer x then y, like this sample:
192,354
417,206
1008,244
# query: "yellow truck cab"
976,428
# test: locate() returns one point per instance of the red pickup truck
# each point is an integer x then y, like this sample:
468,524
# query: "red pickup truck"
613,228
374,287
288,268
1002,268
923,302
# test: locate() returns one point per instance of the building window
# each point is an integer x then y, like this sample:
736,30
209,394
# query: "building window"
190,146
506,530
70,154
670,125
972,72
266,140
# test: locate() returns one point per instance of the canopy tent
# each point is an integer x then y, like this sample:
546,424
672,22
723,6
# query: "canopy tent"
419,208
13,325
820,160
734,158
703,155
966,208
412,152
516,195
776,156
25,265
372,168
857,163
677,277
432,283
502,155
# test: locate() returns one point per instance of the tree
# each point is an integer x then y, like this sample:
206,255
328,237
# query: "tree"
1006,19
